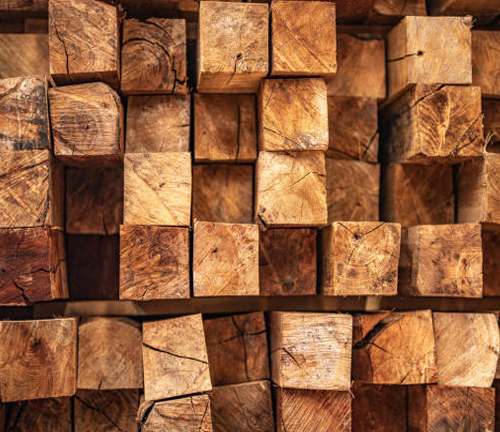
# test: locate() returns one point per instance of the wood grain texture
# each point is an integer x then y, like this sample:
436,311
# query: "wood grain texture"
30,190
293,114
360,258
32,266
93,266
175,358
377,408
239,341
491,124
106,411
352,189
232,47
314,410
433,123
484,11
225,259
243,407
394,348
392,11
352,12
303,38
311,350
467,346
109,354
485,59
84,41
353,128
441,408
94,200
287,262
154,56
188,414
491,265
154,263
290,189
225,128
24,117
38,359
429,50
360,69
157,189
410,196
87,123
223,193
23,8
157,124
442,261
23,55
42,415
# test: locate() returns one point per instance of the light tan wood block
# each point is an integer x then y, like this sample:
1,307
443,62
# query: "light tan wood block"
24,55
485,60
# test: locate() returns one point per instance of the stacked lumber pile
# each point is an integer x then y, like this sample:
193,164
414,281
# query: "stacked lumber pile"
249,216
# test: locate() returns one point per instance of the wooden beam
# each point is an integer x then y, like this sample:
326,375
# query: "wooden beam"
36,25
485,57
24,55
484,11
22,9
392,11
491,123
491,265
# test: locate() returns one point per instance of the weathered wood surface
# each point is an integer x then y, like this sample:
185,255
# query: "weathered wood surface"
287,262
23,55
290,189
410,196
232,47
157,189
394,348
225,128
442,261
360,69
157,124
467,347
32,266
239,341
223,193
243,407
303,38
154,56
94,200
38,359
360,258
87,123
491,264
352,189
84,40
429,50
24,117
154,263
314,410
311,350
175,358
31,190
225,259
433,123
109,354
485,59
293,114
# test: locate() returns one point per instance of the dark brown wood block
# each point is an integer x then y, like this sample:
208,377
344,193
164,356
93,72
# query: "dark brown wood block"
410,196
377,408
84,43
287,262
441,408
87,124
22,8
484,11
32,266
392,11
94,200
485,59
24,121
243,407
154,263
154,56
157,124
491,265
106,411
223,193
42,415
352,190
36,25
312,410
225,128
31,190
352,12
109,354
23,55
38,359
239,341
491,124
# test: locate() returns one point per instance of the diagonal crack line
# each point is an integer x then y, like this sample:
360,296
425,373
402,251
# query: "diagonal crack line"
23,294
65,51
419,53
172,354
